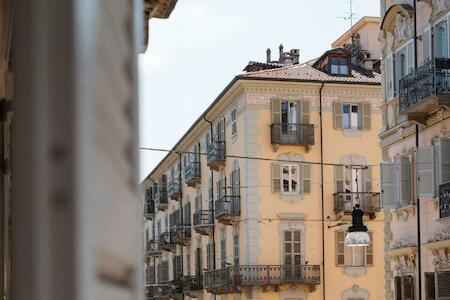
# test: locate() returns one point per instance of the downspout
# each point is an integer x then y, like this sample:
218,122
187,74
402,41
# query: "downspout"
419,240
212,196
182,223
321,190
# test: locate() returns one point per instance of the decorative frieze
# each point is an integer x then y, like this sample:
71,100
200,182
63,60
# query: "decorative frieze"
439,245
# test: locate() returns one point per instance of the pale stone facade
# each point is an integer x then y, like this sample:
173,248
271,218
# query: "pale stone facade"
272,240
414,158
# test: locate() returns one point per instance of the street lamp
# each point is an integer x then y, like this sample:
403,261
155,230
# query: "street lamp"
357,233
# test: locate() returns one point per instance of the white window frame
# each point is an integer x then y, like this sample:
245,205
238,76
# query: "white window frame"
291,166
340,67
358,117
233,118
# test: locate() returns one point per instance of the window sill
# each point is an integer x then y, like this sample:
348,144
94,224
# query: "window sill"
291,198
352,132
355,271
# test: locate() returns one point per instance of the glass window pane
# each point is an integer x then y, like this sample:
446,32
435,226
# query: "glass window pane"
334,69
287,235
344,70
287,247
284,112
297,236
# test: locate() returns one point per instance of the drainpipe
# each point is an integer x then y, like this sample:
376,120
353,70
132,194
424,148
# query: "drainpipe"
419,240
212,196
321,189
182,223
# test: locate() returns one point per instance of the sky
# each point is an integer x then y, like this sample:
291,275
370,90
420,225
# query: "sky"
198,50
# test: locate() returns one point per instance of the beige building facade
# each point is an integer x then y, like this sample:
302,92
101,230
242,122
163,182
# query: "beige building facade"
414,139
254,200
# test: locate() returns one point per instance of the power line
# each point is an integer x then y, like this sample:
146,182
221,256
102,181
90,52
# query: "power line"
250,157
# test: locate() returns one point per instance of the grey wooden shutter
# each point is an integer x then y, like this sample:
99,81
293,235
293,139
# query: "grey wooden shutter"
366,116
340,248
444,161
276,177
425,170
276,119
305,112
306,179
208,258
369,250
405,181
397,70
398,287
426,44
388,184
339,178
292,248
187,214
443,285
407,288
430,286
337,115
368,179
388,65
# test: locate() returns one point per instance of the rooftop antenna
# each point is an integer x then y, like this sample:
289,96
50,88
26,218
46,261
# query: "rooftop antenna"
351,14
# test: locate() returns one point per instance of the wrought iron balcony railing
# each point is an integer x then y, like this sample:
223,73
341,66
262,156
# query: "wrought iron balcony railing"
227,207
416,88
215,154
181,234
227,280
161,199
174,189
157,291
444,200
203,222
192,283
153,249
345,201
292,134
166,242
192,174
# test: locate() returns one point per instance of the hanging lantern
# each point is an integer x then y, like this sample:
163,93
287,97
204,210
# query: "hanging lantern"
357,233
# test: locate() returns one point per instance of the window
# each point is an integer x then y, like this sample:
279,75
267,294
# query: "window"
352,256
198,200
396,183
290,176
210,194
441,40
430,286
236,245
223,250
292,248
188,263
233,122
404,287
339,65
351,116
147,235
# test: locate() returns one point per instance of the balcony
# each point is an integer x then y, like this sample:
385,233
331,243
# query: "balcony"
181,235
444,200
292,134
176,290
203,222
166,242
227,209
192,174
193,286
149,209
232,279
174,189
157,291
345,201
216,154
425,90
161,200
152,249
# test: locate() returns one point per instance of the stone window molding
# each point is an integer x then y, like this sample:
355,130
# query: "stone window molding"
355,292
289,222
291,157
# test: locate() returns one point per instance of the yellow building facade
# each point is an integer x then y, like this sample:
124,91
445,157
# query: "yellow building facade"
255,199
414,139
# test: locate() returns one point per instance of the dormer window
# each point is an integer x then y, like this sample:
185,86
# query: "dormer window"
339,65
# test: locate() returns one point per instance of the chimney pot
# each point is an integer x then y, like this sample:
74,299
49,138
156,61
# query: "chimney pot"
268,60
281,53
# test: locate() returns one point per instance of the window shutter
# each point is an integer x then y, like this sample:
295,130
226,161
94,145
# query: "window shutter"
397,68
388,184
426,44
366,116
369,250
208,258
389,77
340,248
405,181
443,285
305,112
276,119
398,287
368,179
444,161
408,288
187,218
430,286
337,115
425,170
339,178
276,178
306,178
410,55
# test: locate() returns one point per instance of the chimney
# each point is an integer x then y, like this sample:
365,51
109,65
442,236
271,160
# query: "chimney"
295,56
281,59
268,60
